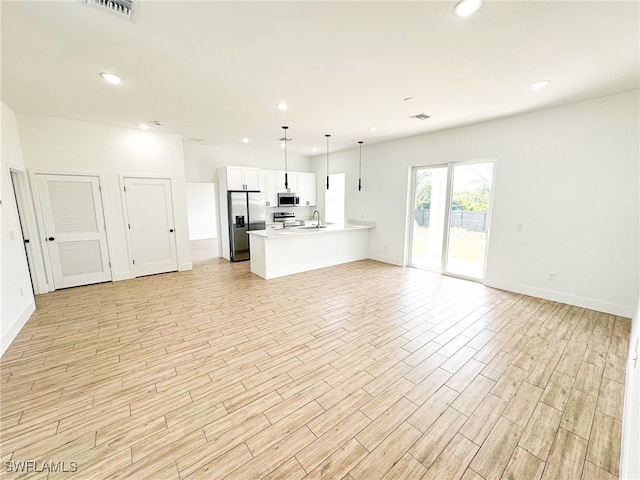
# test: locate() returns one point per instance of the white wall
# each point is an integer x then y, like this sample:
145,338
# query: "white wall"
569,175
15,284
201,162
629,459
201,210
54,145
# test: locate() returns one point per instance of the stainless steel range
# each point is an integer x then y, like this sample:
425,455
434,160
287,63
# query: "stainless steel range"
288,219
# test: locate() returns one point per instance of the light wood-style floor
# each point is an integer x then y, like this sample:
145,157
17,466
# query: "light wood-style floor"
361,371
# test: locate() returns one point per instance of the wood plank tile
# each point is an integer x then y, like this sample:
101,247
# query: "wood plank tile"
463,377
588,378
430,410
319,450
274,456
223,464
557,392
407,468
387,453
429,446
578,416
471,397
523,465
377,430
183,375
493,456
453,461
523,404
604,443
283,408
325,421
566,459
481,422
610,398
541,430
291,470
592,472
277,431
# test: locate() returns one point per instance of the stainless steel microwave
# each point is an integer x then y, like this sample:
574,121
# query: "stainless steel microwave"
286,199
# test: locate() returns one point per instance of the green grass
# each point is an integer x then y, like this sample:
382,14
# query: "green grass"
463,244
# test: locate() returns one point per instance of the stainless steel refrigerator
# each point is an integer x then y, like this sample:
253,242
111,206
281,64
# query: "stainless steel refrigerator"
246,213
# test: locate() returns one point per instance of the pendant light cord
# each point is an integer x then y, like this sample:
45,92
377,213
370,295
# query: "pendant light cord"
360,168
327,160
286,176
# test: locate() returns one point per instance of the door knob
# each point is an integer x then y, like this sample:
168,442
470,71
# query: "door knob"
51,239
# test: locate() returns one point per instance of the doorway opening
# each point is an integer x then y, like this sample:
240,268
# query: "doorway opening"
201,213
450,227
19,195
334,199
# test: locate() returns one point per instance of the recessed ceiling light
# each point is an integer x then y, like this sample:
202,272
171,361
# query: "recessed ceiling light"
540,85
143,126
467,7
373,129
245,140
282,106
111,78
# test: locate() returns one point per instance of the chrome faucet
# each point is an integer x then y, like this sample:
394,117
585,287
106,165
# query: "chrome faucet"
314,216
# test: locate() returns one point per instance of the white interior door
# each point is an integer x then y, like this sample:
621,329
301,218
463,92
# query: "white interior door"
75,232
151,230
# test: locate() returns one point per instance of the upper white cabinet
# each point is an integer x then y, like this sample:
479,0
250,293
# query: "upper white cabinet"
270,190
243,178
307,188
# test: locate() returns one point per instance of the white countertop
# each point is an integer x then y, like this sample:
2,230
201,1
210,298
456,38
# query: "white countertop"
307,230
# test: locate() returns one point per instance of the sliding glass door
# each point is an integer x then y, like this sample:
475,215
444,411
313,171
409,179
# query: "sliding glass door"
429,217
451,218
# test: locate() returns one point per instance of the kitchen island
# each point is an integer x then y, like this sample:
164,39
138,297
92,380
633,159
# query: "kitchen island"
279,252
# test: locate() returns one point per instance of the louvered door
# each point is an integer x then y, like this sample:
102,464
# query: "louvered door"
75,233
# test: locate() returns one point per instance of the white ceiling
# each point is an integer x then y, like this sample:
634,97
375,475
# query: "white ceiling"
215,70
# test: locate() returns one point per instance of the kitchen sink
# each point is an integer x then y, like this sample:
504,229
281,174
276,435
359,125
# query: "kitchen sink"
312,227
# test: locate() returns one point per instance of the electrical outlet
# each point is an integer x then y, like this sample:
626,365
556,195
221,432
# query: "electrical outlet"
21,292
519,227
551,277
386,247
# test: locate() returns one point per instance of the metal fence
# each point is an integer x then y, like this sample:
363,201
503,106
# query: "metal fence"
474,221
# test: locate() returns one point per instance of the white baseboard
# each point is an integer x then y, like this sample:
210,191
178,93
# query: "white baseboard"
17,325
291,270
118,277
598,305
185,266
385,259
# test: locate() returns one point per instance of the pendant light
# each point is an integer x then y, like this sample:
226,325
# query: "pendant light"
360,167
286,175
327,160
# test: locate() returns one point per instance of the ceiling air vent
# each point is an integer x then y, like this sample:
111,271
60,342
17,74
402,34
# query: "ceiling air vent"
420,116
124,8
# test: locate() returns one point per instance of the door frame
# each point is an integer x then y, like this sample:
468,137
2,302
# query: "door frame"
28,221
48,271
125,214
448,202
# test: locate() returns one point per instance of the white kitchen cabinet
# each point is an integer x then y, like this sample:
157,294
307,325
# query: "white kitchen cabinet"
302,183
243,178
270,191
307,189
